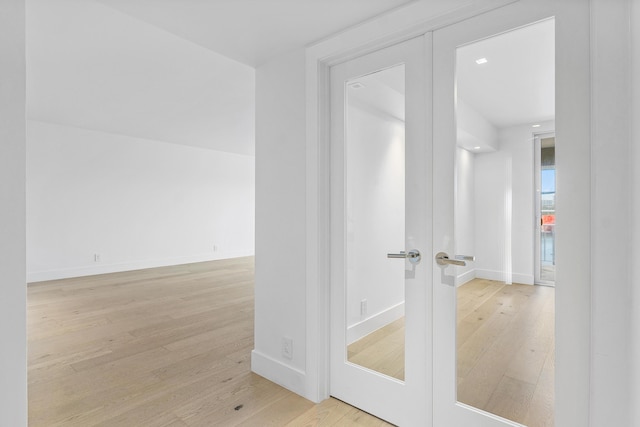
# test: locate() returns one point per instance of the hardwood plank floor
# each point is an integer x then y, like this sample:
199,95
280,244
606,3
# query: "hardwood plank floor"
167,346
171,347
381,350
505,341
506,349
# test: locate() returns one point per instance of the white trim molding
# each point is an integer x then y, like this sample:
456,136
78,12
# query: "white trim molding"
374,322
503,276
92,270
465,277
278,372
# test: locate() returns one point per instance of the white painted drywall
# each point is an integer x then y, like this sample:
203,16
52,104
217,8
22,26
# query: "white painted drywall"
611,223
252,31
505,210
634,263
280,220
94,67
473,129
137,203
465,212
375,159
13,330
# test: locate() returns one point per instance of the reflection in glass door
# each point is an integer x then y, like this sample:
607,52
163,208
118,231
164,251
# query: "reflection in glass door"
505,343
545,151
375,210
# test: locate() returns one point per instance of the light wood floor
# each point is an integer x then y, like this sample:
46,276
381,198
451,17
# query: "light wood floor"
161,347
505,350
381,350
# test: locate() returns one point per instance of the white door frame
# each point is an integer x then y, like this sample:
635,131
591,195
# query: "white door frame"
573,322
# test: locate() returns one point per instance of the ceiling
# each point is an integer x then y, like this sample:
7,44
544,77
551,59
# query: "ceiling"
252,31
179,71
184,71
517,83
514,87
382,92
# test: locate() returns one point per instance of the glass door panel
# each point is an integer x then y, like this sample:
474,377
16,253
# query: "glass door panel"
547,203
375,210
505,91
494,333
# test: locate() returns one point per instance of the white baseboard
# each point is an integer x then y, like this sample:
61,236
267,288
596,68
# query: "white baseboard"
278,372
104,268
525,279
375,322
465,277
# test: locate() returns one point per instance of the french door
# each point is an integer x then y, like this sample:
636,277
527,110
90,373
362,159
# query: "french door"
450,407
380,220
394,141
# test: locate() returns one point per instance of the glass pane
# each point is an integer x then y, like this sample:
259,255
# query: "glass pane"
375,175
548,210
505,92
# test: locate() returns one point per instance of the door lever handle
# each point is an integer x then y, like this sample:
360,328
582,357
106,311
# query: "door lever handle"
443,259
413,255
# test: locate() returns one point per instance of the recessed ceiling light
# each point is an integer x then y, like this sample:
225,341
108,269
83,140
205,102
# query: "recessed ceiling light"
356,85
481,61
476,148
535,126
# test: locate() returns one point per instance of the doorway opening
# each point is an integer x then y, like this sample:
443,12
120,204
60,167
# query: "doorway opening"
545,194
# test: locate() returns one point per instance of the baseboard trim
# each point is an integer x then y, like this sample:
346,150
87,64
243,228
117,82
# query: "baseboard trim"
465,277
524,279
276,371
92,270
375,322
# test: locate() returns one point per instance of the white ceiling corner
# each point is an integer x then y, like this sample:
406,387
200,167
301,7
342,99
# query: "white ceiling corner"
168,70
253,31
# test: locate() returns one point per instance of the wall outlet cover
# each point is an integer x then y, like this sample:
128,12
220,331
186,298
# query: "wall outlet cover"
287,348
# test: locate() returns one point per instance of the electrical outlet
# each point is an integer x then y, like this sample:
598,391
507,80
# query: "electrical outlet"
96,257
287,347
363,307
215,248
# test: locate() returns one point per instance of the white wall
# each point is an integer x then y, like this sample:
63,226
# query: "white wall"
137,203
280,220
505,210
611,223
13,352
634,264
465,212
375,158
473,129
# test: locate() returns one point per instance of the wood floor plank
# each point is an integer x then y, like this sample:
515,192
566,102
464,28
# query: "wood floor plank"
505,350
171,347
280,413
500,363
510,399
382,350
168,346
241,399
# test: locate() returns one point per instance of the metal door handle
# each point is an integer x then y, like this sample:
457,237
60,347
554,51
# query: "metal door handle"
443,259
413,255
